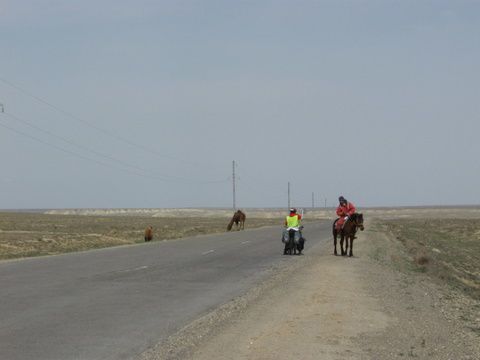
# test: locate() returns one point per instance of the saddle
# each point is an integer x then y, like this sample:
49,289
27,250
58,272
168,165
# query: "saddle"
339,227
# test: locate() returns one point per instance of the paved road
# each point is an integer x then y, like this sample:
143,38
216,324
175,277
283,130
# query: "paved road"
117,302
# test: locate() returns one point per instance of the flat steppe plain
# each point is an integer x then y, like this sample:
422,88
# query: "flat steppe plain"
51,232
412,289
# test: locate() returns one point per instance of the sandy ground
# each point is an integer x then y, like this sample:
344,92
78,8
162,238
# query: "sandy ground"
329,307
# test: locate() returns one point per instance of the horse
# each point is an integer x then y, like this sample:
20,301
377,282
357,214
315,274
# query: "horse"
354,222
239,220
149,233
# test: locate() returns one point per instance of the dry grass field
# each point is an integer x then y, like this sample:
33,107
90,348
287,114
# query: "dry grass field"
440,244
24,234
444,243
448,249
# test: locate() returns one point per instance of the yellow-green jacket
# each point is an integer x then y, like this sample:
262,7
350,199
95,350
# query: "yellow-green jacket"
292,221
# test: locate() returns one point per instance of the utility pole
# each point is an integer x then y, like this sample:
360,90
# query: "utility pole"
325,203
313,200
2,108
233,181
289,195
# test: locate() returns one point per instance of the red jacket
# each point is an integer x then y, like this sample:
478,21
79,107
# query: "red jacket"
346,210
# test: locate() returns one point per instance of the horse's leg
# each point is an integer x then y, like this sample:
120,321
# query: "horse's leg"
335,242
351,244
342,242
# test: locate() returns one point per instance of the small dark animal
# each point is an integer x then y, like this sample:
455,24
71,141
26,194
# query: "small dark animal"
239,220
149,233
347,233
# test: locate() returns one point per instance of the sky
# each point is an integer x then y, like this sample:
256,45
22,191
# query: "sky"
146,104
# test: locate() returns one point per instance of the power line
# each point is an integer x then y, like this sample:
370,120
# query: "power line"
71,142
97,153
93,126
263,191
263,188
62,149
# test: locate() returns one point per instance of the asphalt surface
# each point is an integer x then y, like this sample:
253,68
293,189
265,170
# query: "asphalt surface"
115,303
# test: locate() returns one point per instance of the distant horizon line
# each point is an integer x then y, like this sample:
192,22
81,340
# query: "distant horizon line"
238,207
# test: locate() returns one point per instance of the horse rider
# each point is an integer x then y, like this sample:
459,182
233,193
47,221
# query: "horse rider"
345,209
293,220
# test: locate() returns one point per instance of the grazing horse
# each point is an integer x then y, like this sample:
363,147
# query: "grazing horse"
347,233
149,233
239,220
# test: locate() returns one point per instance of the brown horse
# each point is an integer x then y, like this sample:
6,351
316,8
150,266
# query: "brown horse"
149,233
239,220
347,233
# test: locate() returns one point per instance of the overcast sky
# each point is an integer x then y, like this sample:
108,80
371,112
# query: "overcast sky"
147,103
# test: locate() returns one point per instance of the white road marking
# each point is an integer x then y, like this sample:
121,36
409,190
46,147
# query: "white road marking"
140,268
246,242
134,269
208,252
